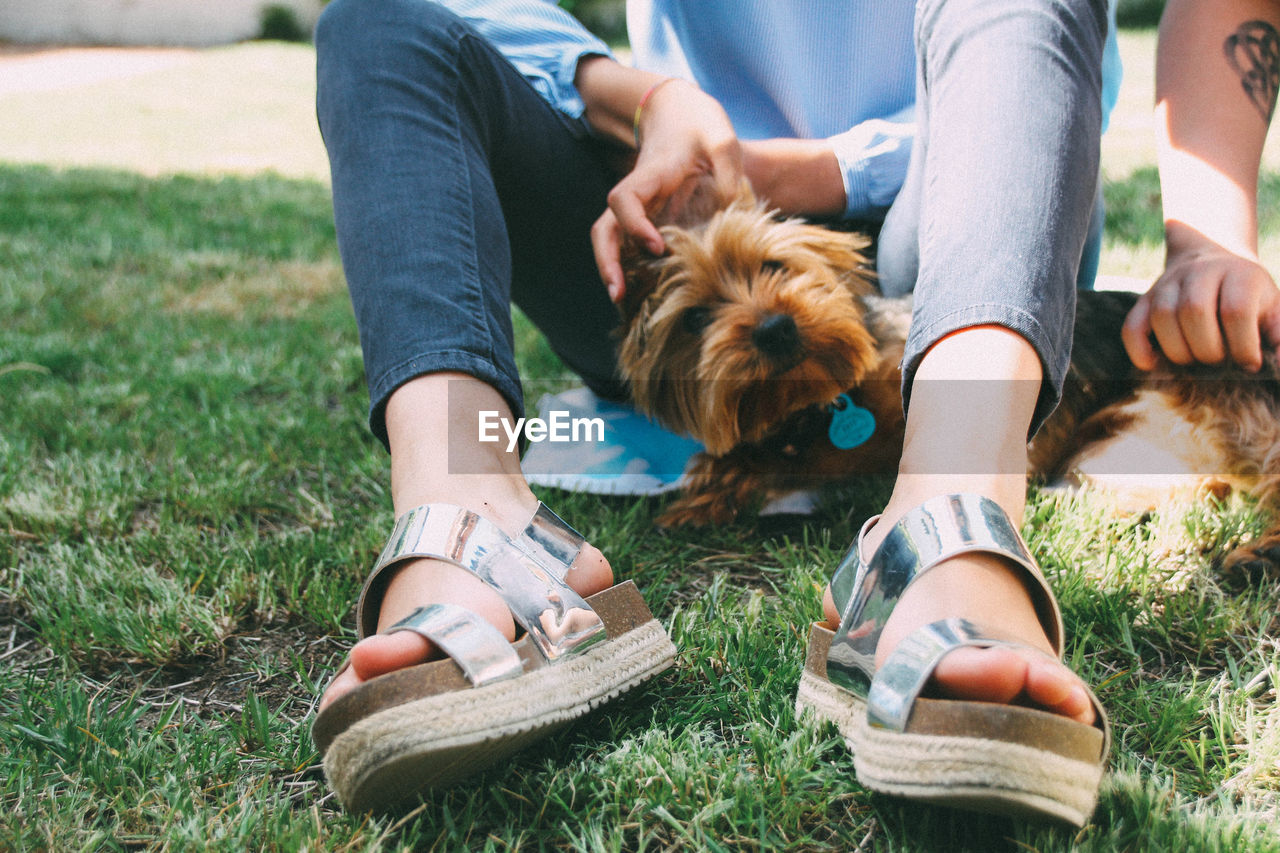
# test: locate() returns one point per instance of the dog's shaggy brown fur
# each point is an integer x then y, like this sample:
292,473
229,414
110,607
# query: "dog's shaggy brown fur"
698,352
750,326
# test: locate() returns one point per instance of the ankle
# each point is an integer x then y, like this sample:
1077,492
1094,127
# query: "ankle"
506,501
437,456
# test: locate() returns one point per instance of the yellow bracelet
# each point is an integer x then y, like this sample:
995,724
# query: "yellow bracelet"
644,99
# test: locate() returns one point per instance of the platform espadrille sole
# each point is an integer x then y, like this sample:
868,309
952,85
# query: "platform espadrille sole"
390,755
978,756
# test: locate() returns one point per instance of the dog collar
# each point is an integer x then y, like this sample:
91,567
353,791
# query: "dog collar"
851,425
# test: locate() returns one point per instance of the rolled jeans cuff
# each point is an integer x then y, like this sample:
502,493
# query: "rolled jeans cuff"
1054,352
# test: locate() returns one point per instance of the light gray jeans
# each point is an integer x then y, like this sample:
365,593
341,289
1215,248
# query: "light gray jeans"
990,225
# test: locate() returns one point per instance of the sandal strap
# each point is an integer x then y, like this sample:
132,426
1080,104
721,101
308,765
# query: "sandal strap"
550,541
899,681
556,618
867,591
477,647
438,531
904,674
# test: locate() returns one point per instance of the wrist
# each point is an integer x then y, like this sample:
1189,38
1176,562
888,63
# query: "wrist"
611,93
797,176
639,114
757,167
1182,241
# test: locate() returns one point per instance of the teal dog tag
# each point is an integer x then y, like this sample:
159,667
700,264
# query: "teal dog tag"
850,425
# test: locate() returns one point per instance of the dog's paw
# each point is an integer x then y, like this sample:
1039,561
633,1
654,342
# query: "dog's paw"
701,510
1252,562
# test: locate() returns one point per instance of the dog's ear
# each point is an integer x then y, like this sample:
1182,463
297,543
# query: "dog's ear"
709,200
641,272
843,251
697,201
745,194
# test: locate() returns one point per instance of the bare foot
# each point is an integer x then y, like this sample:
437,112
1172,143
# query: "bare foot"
421,582
988,591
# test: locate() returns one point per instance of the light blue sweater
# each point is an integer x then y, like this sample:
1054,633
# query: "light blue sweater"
768,62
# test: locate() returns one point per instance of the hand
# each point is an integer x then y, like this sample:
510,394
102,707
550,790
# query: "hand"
689,156
1208,305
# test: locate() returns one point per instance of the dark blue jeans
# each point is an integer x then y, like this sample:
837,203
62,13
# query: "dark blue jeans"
457,190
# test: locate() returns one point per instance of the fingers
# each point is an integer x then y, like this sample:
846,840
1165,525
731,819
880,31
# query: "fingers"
626,217
628,201
1196,320
1155,322
688,143
1136,334
1207,310
606,245
1270,321
1183,319
1239,315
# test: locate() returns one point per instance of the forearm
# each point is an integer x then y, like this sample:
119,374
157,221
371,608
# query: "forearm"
1212,114
798,176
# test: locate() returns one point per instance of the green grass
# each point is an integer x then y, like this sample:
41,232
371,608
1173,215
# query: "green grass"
189,500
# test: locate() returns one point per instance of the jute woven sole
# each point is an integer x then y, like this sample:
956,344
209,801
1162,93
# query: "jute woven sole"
978,756
390,755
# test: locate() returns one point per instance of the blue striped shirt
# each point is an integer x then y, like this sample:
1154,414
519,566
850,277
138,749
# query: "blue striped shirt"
768,62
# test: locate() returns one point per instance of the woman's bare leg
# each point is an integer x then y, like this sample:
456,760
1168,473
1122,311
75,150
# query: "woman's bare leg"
971,404
437,457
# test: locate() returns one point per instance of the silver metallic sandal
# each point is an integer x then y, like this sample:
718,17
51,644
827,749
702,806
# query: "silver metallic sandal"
981,756
434,724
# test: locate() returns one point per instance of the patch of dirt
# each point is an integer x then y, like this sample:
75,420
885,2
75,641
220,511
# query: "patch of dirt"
279,290
47,68
284,665
276,662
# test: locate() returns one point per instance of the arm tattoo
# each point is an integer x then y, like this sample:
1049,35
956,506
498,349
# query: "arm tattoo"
1254,53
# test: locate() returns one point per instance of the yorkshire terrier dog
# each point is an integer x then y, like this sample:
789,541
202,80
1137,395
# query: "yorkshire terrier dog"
744,335
764,338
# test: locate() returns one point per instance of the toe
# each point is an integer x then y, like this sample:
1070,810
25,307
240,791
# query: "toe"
342,683
383,653
1006,675
1052,686
590,572
996,674
829,611
374,656
426,580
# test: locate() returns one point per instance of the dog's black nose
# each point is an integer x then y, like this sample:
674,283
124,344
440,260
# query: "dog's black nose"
777,337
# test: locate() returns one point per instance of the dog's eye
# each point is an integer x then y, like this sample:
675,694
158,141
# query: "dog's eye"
695,319
770,265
